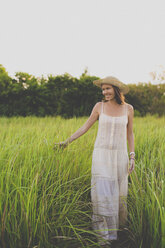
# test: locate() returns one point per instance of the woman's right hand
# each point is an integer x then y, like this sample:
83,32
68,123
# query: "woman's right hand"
62,145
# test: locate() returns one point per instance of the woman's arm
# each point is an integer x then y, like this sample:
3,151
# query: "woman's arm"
130,136
91,120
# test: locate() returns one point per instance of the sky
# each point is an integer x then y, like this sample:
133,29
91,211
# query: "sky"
122,38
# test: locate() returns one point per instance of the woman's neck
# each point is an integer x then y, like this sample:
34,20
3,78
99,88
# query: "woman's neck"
112,102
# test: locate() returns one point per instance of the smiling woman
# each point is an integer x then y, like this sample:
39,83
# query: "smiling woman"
112,92
109,182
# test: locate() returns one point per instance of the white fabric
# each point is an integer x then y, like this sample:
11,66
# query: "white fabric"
109,179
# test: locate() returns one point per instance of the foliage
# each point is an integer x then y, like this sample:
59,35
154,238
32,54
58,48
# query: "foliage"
68,96
45,194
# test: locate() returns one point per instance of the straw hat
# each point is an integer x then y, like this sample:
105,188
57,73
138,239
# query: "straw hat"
112,81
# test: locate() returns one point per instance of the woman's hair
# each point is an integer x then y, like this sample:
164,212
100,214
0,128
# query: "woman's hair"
120,99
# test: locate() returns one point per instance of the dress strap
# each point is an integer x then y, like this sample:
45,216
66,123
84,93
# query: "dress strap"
102,106
126,109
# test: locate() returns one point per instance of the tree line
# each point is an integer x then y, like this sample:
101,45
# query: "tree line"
67,96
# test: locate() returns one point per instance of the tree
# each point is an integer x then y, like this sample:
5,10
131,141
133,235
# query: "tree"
158,76
5,81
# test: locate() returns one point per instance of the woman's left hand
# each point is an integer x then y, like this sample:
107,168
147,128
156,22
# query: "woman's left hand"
132,165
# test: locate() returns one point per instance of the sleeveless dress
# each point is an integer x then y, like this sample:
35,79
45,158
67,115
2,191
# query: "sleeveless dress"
109,179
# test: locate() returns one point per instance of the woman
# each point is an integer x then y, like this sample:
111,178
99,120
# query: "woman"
110,160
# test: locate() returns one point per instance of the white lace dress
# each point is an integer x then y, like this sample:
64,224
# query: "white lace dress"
109,178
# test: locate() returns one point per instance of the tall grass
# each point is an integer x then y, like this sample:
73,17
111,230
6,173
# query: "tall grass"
45,194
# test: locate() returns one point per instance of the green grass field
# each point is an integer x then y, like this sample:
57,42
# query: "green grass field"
45,194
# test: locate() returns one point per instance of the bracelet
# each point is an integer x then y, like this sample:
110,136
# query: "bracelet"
132,153
132,158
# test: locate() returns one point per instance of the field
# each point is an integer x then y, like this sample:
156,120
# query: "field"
45,194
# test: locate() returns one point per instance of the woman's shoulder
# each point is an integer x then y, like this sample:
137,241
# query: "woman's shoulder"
130,109
129,106
98,105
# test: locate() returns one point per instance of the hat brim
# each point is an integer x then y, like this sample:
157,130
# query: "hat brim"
114,82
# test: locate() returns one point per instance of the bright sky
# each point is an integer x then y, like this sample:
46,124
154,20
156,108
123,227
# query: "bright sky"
123,38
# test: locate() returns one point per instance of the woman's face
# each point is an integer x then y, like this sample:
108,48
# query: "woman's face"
108,92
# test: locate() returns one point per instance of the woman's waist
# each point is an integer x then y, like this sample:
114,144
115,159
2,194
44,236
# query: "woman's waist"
112,144
110,147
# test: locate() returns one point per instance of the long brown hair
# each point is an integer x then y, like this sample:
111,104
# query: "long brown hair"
120,99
